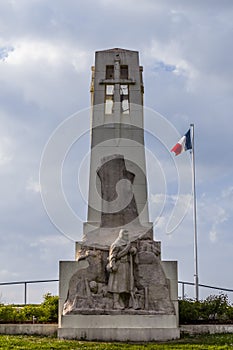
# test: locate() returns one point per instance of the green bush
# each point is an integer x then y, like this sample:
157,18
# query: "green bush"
188,311
215,308
49,308
7,313
46,312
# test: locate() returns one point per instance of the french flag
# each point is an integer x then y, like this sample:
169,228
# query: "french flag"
183,144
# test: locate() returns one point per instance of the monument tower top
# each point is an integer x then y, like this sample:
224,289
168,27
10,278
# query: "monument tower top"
117,80
117,186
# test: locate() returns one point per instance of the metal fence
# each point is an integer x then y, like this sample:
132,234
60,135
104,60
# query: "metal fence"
182,283
25,284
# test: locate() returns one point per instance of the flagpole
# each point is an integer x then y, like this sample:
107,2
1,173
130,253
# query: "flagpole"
194,215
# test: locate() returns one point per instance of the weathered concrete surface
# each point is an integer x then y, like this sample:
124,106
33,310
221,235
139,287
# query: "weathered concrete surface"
119,327
206,328
29,329
52,329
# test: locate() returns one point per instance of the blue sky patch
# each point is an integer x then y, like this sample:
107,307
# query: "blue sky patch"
161,66
4,52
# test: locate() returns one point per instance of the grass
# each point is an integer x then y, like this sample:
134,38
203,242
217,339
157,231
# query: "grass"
208,342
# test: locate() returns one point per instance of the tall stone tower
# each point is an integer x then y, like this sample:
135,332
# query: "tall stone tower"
118,288
117,186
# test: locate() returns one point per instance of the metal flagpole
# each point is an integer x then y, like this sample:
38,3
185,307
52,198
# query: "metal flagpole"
194,215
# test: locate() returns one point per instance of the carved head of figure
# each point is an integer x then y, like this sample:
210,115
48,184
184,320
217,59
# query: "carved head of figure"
123,234
93,287
122,240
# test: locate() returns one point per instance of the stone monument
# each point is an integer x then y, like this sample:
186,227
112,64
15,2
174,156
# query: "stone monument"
118,288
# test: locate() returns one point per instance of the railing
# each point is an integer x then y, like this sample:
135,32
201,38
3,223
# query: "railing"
201,285
25,283
183,284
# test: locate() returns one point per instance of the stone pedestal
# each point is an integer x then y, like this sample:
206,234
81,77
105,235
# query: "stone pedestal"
138,328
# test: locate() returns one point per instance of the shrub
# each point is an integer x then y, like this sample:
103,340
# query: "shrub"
49,308
188,311
215,308
46,312
6,313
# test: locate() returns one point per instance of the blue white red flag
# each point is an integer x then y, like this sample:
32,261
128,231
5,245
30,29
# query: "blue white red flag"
183,144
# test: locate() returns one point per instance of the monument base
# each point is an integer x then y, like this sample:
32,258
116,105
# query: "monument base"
116,325
135,328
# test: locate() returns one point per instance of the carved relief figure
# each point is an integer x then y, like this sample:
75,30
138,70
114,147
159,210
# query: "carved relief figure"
135,282
120,267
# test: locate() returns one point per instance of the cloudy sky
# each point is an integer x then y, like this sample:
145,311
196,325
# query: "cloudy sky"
46,53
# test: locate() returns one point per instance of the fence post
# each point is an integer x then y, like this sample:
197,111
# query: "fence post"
182,290
25,293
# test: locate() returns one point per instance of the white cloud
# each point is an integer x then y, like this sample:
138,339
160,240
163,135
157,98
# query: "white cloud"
227,193
158,198
174,209
215,214
160,223
171,55
41,52
41,71
220,217
33,186
52,240
5,273
5,150
138,7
